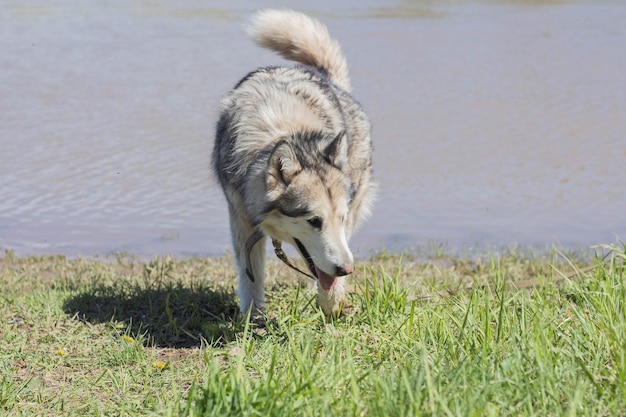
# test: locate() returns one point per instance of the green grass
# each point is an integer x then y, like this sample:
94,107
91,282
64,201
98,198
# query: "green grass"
434,335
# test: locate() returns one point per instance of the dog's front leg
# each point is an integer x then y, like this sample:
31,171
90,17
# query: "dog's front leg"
251,293
331,301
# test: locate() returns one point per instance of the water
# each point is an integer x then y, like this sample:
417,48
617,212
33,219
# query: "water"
494,122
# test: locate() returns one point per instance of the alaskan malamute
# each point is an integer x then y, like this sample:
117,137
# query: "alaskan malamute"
293,155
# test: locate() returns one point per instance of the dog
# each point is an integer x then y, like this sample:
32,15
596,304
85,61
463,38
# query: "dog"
293,154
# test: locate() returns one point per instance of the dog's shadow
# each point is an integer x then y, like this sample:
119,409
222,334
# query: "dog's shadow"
170,313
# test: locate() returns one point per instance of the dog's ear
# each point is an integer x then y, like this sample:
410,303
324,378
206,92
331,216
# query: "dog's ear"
283,165
336,152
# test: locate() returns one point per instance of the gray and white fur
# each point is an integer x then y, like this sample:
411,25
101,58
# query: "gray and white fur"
293,155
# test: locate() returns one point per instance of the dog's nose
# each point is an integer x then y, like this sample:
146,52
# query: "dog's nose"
344,270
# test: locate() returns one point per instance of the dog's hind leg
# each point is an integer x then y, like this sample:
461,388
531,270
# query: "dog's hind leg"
251,289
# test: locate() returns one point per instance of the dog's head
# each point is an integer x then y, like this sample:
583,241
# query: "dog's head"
309,195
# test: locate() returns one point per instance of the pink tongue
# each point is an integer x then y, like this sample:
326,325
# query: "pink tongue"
326,281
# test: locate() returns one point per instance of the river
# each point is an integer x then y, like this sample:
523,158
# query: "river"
494,123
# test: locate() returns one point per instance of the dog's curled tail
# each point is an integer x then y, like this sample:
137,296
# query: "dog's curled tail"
301,38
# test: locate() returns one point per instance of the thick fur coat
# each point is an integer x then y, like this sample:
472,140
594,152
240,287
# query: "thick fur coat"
293,155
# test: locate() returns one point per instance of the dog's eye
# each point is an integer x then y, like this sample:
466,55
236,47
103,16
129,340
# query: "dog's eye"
315,222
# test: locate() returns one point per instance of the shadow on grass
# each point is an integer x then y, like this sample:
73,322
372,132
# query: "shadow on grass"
169,311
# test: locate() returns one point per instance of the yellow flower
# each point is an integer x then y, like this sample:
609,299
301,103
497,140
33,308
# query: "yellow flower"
60,352
159,365
128,339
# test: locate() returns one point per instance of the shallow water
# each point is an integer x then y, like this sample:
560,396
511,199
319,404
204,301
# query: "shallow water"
494,123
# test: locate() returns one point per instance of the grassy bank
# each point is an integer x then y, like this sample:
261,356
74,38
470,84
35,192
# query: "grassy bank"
438,336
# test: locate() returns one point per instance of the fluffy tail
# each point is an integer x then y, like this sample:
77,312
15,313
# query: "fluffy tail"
300,38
